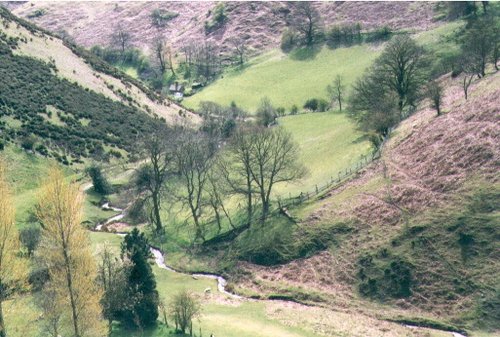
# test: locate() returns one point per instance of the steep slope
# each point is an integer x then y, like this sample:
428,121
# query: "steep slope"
418,229
70,100
261,23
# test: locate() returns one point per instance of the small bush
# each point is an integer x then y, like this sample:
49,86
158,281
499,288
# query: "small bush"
316,105
288,41
160,17
28,142
37,13
380,34
294,110
30,237
219,18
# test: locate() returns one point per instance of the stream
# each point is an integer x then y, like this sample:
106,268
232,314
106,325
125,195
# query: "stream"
160,258
221,282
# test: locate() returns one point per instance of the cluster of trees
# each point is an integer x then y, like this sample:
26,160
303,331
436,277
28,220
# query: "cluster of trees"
401,76
201,60
389,90
480,45
129,287
306,29
76,291
200,172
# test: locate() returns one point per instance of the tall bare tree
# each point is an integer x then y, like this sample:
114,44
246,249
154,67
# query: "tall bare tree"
336,91
240,48
435,93
235,167
13,269
194,155
151,177
163,55
121,38
112,277
65,248
306,20
274,160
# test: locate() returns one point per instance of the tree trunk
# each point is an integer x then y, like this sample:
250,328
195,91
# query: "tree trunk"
69,281
217,217
3,331
340,104
156,212
249,199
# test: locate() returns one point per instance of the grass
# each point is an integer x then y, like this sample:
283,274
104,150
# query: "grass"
219,316
286,80
329,143
24,172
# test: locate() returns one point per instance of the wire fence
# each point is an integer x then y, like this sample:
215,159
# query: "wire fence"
335,181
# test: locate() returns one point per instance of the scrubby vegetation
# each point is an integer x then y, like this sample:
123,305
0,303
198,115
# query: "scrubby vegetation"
61,119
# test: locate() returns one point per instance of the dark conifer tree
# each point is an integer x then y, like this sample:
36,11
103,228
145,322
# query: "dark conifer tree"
143,309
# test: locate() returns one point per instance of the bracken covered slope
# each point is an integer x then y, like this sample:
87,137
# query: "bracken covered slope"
422,222
261,23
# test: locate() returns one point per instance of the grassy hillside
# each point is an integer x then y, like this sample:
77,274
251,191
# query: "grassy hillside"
286,79
329,143
289,79
417,230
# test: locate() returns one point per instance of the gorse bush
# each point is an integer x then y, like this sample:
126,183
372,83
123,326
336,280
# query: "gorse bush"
160,17
218,18
88,120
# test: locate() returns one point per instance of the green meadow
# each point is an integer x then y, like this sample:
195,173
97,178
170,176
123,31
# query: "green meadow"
286,79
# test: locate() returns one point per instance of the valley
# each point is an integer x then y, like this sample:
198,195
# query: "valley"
327,193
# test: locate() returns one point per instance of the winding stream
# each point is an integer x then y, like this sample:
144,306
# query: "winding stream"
160,259
221,282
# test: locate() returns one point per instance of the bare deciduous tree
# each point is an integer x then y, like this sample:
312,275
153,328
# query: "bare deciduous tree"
239,45
112,277
236,169
185,308
121,38
194,154
336,91
151,177
274,159
435,92
163,54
